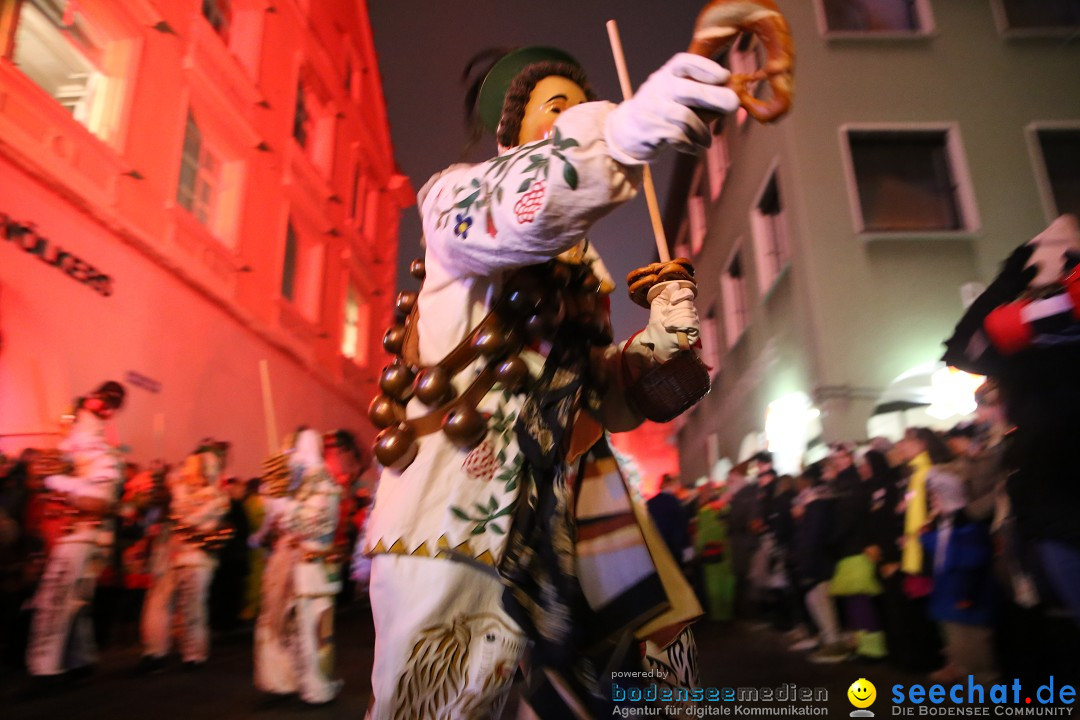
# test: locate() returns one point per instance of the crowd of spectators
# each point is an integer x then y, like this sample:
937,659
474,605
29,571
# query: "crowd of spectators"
923,553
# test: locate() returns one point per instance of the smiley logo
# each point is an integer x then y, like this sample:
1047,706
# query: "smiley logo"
862,693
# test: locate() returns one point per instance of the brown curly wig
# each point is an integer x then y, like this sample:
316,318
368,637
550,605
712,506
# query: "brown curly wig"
517,97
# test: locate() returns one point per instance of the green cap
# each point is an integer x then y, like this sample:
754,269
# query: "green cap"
497,82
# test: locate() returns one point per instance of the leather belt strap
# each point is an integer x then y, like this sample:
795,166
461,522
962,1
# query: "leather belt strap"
427,424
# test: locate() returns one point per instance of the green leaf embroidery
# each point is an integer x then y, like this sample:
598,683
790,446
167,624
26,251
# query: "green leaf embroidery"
497,530
467,201
478,530
525,185
570,176
459,513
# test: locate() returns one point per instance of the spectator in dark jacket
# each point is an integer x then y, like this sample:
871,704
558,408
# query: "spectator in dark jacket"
744,526
669,514
813,516
855,579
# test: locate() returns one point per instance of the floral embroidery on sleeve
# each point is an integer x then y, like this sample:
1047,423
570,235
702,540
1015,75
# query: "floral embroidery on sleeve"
480,193
528,204
462,223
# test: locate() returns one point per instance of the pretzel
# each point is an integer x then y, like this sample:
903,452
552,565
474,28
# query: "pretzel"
639,282
721,21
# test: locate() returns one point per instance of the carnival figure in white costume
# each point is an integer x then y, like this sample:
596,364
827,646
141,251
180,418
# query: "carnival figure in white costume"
294,634
501,514
84,478
182,563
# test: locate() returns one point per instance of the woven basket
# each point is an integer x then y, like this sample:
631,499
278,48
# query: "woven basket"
667,391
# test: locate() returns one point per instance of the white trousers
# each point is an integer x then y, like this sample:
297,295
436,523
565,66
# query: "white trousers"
62,633
294,636
444,646
180,592
822,610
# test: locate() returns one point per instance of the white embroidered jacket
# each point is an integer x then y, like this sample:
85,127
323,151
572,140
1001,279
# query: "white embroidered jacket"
481,221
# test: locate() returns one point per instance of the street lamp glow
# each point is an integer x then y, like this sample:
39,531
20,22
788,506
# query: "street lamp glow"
952,392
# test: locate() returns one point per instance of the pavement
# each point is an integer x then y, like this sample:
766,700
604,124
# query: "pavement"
735,655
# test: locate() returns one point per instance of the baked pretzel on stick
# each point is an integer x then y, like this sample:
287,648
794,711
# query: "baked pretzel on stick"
721,21
641,282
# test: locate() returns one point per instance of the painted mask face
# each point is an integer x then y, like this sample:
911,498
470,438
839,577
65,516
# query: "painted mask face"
549,98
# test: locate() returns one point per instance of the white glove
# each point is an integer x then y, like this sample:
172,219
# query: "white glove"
672,311
662,111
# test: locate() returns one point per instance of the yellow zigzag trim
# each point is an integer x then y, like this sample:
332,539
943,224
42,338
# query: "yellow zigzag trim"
443,550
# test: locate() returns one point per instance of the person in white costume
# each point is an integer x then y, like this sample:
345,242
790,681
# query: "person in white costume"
294,642
182,563
84,494
463,573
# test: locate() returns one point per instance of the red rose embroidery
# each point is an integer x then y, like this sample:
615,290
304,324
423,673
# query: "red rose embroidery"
526,207
481,463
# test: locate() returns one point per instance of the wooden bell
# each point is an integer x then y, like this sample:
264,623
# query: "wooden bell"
405,301
433,386
394,339
396,447
396,381
511,372
384,411
465,426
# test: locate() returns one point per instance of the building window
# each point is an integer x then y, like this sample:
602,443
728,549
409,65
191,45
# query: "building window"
219,14
301,125
772,248
906,180
355,329
313,123
888,17
695,208
358,197
288,268
710,342
302,274
200,175
56,46
1060,151
1054,16
718,160
733,294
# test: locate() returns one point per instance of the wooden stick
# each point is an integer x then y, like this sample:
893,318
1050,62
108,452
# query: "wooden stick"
648,187
268,408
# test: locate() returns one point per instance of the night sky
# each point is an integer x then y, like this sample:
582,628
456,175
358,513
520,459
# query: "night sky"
423,47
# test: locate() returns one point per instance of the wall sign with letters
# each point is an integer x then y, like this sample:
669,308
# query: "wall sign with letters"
25,236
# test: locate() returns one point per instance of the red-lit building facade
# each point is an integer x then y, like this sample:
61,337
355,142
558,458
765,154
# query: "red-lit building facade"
189,188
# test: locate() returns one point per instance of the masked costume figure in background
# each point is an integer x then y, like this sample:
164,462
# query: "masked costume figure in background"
294,635
182,562
1023,332
502,520
84,478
